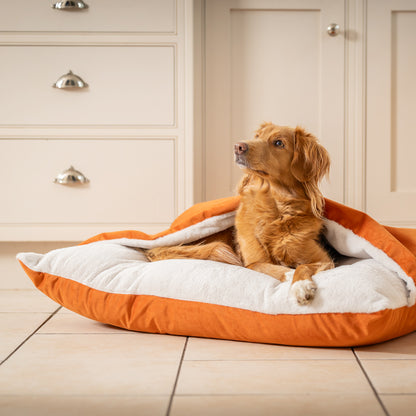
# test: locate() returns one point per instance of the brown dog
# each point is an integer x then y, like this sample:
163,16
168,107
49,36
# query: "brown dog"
279,220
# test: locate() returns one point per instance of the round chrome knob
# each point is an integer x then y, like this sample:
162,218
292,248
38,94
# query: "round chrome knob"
333,29
71,176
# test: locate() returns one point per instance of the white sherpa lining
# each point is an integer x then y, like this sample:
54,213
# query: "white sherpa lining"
367,281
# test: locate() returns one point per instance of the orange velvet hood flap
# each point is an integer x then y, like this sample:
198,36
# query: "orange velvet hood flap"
370,297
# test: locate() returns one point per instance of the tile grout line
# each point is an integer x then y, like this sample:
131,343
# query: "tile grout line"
177,378
30,335
370,383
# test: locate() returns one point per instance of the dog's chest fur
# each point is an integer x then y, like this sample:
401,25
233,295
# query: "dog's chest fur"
271,216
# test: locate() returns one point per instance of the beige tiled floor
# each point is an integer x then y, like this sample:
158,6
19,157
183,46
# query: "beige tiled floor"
56,362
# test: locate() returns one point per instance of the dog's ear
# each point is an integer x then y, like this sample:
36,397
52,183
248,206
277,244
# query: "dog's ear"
265,124
262,126
310,161
310,164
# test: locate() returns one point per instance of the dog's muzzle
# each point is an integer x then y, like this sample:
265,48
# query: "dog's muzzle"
240,152
240,148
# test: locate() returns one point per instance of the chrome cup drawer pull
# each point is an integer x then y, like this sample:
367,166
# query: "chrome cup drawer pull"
71,176
70,80
70,5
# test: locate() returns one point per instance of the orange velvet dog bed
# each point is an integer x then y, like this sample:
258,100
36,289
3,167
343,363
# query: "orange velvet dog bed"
369,297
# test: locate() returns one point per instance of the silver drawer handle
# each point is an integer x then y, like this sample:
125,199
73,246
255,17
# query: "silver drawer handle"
70,80
70,5
71,176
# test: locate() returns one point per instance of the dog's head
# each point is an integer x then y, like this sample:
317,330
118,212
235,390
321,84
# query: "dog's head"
289,157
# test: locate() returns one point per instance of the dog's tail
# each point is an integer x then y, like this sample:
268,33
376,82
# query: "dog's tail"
216,251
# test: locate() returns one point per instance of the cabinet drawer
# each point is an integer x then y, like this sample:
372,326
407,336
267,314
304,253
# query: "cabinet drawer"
130,181
148,16
132,85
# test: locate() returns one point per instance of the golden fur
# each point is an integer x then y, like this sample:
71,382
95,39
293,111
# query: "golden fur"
279,219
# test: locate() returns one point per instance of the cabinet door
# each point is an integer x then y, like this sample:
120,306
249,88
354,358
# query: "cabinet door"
131,186
128,86
391,110
134,16
272,60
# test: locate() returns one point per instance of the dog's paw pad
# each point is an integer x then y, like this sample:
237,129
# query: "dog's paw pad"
303,291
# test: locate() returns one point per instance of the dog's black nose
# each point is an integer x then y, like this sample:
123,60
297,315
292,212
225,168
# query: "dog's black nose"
240,148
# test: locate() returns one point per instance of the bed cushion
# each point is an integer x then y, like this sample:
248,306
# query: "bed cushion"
369,297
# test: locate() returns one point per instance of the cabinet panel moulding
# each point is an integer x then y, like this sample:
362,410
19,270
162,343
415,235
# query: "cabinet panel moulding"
83,39
6,129
56,135
355,104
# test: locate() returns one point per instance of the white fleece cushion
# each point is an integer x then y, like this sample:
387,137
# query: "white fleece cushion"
368,282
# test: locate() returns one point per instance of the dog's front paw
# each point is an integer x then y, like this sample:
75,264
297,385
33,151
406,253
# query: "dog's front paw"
303,291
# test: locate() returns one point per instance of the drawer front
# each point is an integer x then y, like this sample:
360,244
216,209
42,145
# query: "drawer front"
133,85
131,181
146,16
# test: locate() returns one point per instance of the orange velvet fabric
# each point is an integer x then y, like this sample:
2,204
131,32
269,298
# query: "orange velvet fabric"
173,316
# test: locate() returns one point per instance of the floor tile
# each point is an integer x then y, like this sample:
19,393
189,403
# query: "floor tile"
212,349
400,405
72,323
392,376
271,377
26,301
15,328
287,405
93,364
84,405
400,348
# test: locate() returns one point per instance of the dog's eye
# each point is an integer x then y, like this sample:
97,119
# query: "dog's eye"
279,143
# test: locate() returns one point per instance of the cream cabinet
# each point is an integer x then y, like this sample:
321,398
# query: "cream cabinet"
391,110
128,129
272,60
355,88
120,184
132,85
107,16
